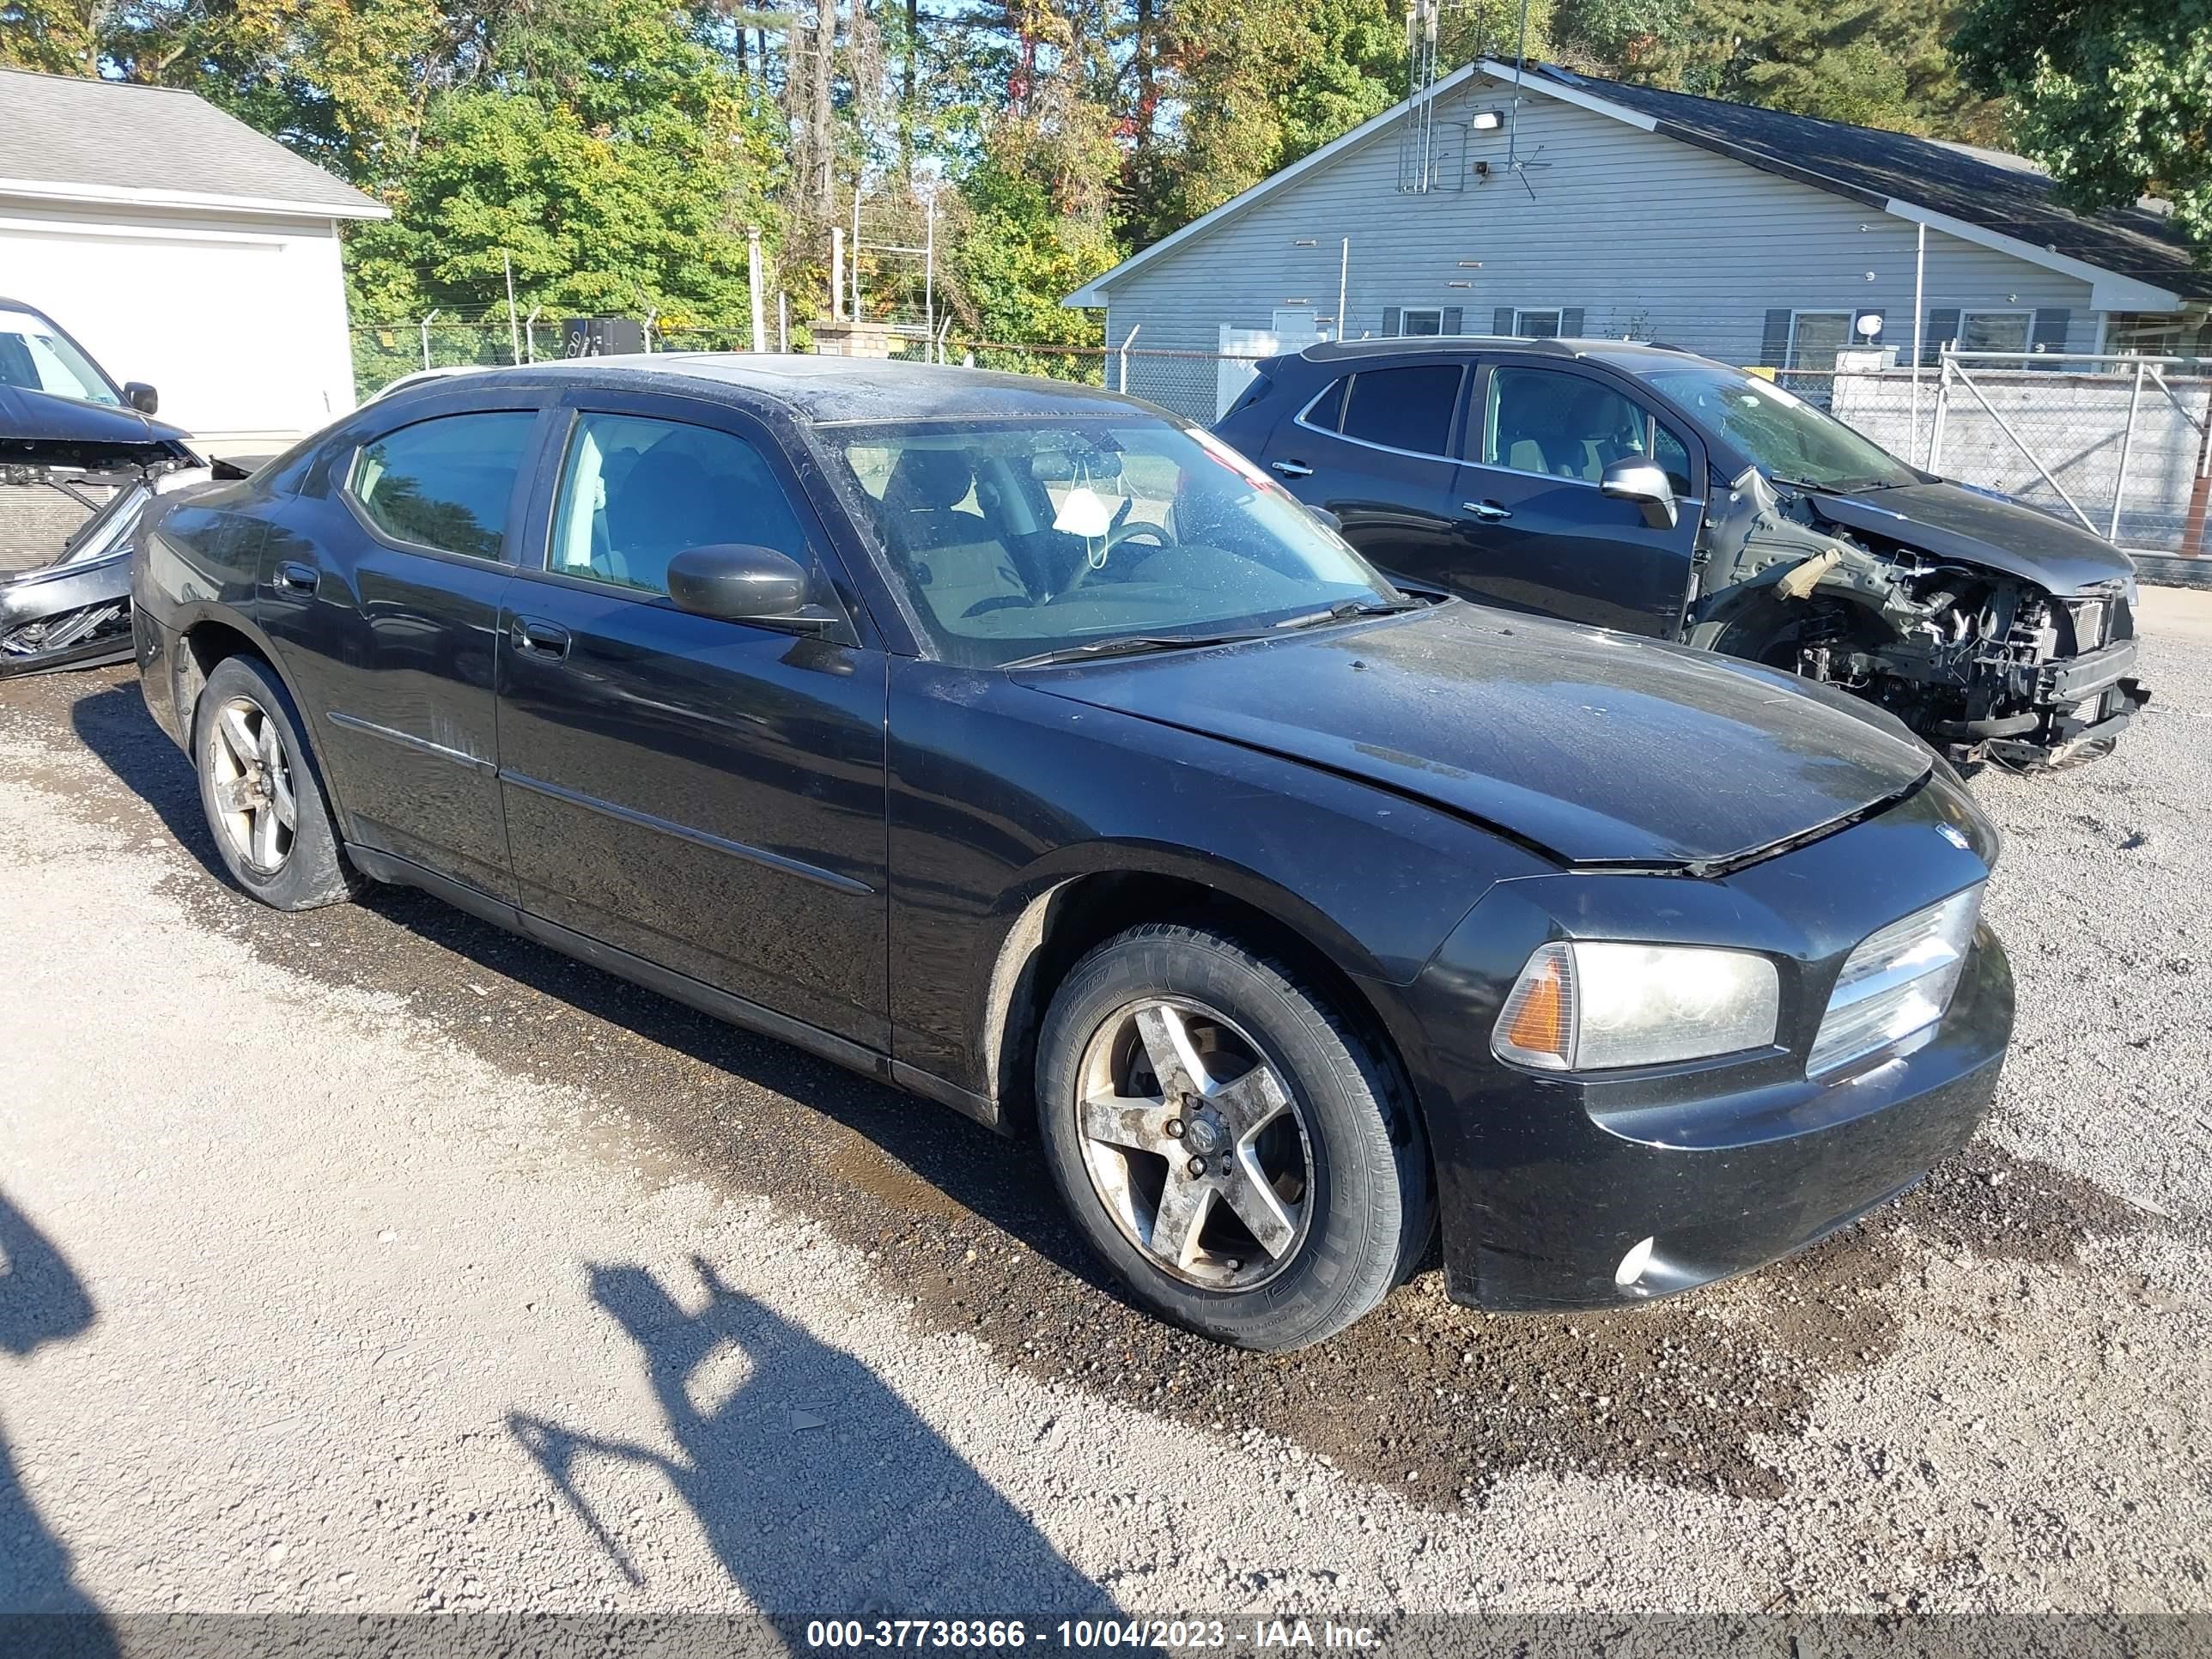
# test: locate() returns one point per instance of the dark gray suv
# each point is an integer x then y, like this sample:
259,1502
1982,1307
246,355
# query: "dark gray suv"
1642,488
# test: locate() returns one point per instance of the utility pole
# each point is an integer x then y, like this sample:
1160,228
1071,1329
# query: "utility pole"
753,284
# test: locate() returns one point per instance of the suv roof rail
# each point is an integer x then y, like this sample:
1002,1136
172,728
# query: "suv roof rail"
1335,350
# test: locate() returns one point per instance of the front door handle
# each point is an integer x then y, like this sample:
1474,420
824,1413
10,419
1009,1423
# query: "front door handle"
1488,512
540,639
296,578
1292,469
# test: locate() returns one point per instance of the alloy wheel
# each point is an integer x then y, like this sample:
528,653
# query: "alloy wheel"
251,777
1194,1143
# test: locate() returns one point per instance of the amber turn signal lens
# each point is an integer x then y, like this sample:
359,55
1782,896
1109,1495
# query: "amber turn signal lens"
1540,1026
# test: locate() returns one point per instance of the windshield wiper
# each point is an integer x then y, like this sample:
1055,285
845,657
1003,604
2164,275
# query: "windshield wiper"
1345,609
1129,644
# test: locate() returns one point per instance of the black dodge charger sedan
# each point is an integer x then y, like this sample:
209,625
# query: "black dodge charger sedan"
1023,747
1640,488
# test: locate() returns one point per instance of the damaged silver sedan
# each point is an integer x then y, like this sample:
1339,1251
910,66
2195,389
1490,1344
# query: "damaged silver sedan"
79,460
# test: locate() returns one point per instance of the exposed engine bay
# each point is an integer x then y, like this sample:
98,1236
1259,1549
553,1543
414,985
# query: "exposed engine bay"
1984,664
68,514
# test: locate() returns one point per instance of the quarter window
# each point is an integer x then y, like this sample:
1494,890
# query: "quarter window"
636,492
445,483
1409,408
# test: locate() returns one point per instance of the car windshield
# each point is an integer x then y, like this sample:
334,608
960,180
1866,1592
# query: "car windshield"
37,356
1787,438
1021,539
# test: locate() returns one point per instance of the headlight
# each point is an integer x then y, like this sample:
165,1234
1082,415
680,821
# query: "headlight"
1585,1007
1899,981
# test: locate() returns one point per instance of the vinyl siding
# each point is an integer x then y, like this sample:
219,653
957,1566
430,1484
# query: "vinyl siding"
1647,236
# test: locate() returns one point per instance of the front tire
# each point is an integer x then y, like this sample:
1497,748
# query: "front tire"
263,797
1246,1163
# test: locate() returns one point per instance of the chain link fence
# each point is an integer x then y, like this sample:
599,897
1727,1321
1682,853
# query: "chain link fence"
2121,446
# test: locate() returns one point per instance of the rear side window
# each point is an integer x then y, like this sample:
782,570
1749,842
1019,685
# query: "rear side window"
445,483
1408,407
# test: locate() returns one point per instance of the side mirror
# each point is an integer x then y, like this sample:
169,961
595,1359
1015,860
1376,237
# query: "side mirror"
736,581
1326,518
1632,478
140,396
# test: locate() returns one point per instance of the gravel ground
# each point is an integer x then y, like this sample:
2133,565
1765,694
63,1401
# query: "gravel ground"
373,1261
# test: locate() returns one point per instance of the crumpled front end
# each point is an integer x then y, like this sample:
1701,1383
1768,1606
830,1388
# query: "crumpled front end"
66,533
1984,663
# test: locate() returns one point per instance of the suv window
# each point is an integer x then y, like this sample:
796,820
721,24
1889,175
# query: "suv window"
636,492
1569,426
444,482
1409,408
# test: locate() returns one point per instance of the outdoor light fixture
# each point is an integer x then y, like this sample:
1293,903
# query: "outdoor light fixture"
1488,120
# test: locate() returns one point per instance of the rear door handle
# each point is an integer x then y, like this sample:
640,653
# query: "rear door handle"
540,639
298,578
1488,512
1292,469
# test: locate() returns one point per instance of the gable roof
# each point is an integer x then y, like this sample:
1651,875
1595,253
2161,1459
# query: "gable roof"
66,139
2132,257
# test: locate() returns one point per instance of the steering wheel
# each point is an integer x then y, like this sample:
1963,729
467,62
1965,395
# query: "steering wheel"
1115,538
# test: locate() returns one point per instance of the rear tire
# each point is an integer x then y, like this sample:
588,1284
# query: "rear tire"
1246,1161
261,794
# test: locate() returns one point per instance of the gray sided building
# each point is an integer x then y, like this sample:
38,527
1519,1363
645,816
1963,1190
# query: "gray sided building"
1575,206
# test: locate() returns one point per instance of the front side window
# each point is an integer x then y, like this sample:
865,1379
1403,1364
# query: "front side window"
1409,408
1568,426
36,356
1014,539
636,492
444,482
1786,438
1815,336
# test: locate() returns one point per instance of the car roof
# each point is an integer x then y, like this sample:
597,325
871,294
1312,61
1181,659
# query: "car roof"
1631,355
828,390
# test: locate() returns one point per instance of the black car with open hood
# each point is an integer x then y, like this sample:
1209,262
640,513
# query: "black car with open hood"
80,457
1646,489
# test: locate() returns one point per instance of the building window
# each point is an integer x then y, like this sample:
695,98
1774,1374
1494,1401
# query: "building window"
1423,320
2007,332
1815,336
2156,334
1537,324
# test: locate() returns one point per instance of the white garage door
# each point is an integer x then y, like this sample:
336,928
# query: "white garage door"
238,335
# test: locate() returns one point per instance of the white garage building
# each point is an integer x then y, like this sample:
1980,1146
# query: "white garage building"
180,247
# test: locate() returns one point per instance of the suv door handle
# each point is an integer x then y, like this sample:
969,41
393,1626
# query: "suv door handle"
1488,512
540,639
1292,469
299,578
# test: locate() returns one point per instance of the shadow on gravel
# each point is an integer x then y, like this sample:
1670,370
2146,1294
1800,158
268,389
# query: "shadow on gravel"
1436,1401
40,1302
820,1491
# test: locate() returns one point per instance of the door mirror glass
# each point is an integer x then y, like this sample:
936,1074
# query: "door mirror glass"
1632,478
737,582
141,397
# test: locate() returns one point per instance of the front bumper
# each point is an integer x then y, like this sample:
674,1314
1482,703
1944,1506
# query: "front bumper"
65,616
1547,1183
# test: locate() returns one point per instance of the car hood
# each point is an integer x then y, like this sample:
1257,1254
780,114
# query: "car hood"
38,426
1956,521
1592,746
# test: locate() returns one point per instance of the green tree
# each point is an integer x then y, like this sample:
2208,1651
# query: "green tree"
1872,63
2113,96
